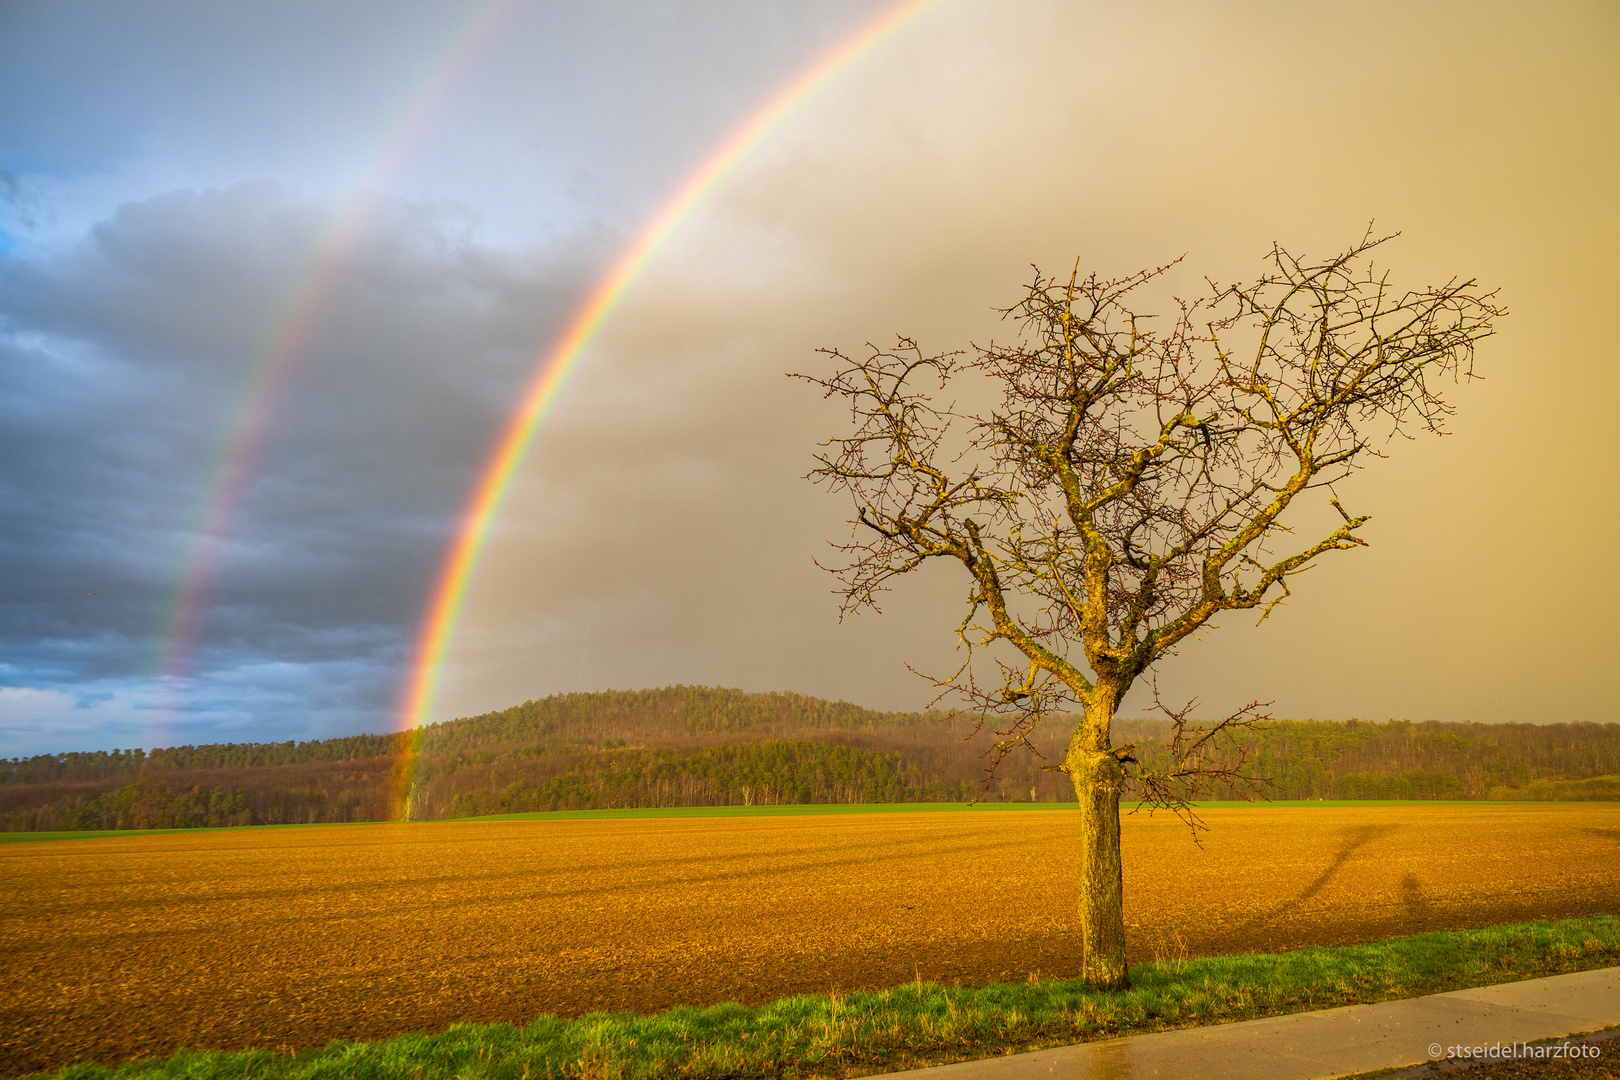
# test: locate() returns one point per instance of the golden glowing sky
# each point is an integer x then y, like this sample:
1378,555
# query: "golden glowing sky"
660,532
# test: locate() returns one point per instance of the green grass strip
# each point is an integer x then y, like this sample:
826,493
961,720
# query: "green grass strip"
796,809
780,810
110,834
787,810
919,1024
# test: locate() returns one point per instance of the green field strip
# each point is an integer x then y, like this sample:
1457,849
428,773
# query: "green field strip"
786,810
115,834
799,809
98,834
1240,803
774,810
782,810
917,1024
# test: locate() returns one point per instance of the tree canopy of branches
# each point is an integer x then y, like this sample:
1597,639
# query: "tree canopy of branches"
1137,477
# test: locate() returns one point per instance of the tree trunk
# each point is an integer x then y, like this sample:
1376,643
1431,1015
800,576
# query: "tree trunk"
1098,777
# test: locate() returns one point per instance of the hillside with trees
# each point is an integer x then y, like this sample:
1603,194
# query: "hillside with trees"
700,746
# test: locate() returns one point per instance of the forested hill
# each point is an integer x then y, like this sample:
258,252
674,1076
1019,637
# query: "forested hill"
656,716
1316,759
1353,759
704,746
97,765
556,724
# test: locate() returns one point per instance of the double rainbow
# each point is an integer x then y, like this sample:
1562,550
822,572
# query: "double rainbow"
277,358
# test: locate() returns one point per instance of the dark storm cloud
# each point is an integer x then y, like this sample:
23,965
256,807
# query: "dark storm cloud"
123,366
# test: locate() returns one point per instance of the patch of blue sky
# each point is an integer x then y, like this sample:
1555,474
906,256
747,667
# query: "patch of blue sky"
96,716
40,714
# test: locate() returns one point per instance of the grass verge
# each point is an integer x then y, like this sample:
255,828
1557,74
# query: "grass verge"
836,1035
784,810
113,834
798,809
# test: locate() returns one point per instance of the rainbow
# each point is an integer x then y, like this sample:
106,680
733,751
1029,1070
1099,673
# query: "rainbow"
554,365
277,357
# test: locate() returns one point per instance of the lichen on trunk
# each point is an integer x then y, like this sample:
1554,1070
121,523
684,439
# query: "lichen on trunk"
1098,780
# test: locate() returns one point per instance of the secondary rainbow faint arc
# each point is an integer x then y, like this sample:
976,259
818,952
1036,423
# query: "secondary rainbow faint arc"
275,360
560,359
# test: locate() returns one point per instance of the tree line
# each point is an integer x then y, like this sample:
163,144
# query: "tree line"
709,746
145,805
752,774
103,765
1314,759
304,793
559,724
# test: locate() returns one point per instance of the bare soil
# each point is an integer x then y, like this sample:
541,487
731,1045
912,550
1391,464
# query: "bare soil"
282,938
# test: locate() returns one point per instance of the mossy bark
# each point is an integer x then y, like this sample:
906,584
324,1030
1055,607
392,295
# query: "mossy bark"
1098,779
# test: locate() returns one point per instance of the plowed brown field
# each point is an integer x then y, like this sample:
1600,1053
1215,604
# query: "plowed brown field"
293,937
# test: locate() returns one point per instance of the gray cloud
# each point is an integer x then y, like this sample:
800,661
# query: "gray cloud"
126,361
560,114
660,530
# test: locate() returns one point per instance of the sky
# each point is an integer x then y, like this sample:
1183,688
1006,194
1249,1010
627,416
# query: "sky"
274,277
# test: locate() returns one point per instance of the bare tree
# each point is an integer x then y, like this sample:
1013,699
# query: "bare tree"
1136,478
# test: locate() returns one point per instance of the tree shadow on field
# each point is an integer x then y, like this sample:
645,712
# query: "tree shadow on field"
1354,839
1412,898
